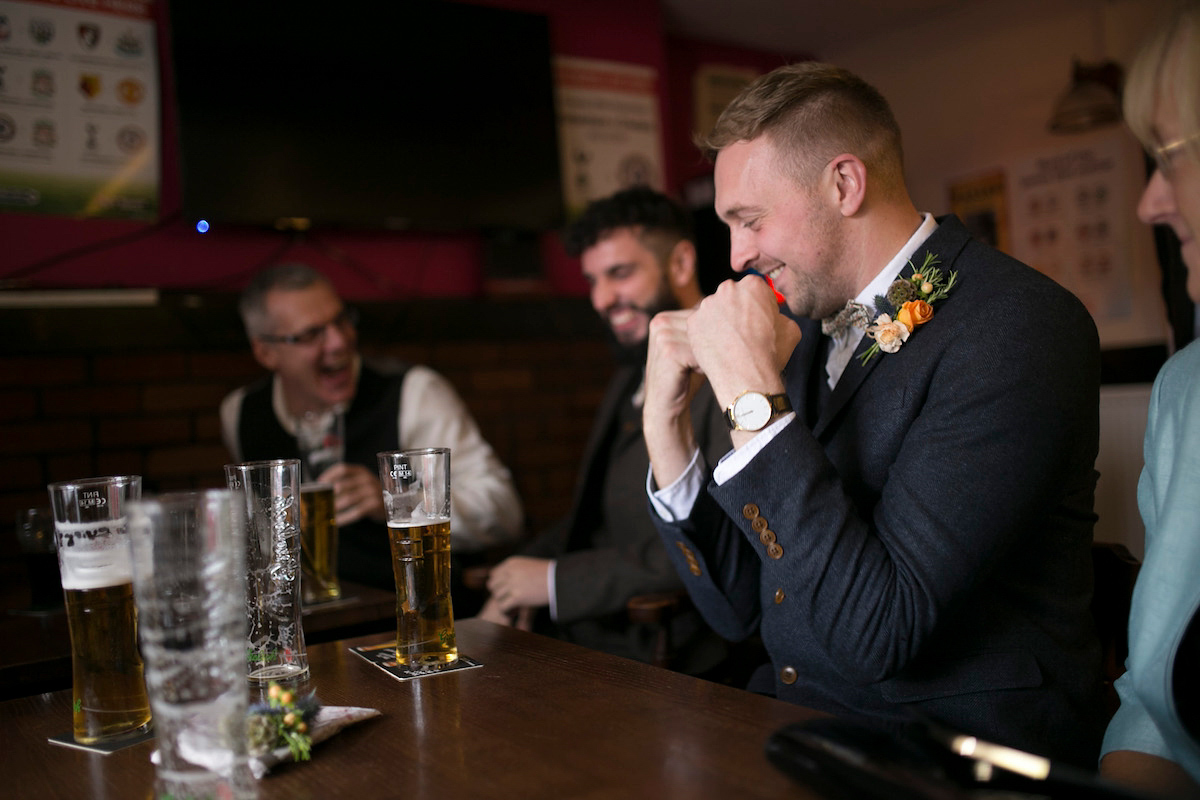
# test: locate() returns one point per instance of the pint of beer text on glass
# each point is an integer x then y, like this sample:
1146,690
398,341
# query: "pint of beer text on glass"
416,494
108,688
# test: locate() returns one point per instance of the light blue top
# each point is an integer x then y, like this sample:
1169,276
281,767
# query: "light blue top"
1168,587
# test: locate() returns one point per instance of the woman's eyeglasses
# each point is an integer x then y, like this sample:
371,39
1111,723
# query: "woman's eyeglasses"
1165,155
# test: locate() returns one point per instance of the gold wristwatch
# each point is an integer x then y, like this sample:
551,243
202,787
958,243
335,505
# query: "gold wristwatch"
753,411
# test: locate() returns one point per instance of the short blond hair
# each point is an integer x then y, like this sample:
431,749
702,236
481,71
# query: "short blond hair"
812,112
1167,69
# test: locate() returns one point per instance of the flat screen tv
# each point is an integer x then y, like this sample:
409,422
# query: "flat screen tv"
429,116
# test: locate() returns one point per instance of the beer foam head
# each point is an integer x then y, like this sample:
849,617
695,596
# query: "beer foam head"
92,555
417,522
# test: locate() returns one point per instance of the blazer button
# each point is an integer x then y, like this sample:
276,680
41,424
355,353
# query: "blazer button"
749,511
767,537
779,595
758,524
787,675
775,551
694,568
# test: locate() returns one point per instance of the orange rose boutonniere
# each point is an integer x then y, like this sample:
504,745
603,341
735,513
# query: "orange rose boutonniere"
907,306
914,313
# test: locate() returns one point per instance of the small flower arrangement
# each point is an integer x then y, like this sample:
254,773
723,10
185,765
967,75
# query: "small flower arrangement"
907,305
282,721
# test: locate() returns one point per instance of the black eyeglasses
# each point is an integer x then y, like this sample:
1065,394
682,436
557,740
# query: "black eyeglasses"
345,321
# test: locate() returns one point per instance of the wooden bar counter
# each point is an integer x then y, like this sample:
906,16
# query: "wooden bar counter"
540,719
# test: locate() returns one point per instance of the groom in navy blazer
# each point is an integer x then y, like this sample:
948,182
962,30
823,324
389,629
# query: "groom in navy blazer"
906,516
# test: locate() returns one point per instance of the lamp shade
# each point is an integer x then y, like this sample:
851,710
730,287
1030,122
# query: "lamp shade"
1092,100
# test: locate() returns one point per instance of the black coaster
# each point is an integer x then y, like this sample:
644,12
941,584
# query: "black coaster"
384,657
103,748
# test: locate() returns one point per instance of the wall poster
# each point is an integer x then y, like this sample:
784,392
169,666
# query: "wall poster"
714,86
609,131
79,108
1073,217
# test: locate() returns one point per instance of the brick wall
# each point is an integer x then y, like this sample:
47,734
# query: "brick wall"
88,392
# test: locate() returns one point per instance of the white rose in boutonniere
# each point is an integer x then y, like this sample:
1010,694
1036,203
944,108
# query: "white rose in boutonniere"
911,299
888,334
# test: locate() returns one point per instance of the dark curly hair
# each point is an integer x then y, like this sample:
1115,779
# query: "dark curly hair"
659,220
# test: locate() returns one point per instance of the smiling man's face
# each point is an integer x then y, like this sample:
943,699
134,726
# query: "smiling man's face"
629,284
315,375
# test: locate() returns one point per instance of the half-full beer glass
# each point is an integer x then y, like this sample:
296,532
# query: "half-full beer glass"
416,493
189,577
270,491
318,544
108,689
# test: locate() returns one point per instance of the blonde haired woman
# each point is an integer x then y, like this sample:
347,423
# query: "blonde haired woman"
1153,741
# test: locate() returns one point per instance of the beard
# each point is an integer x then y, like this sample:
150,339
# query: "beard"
821,289
634,353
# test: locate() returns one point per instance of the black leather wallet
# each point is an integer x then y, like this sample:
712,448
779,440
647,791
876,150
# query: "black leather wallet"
844,760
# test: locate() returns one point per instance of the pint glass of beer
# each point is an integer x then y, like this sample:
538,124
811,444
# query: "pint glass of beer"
189,578
318,544
416,493
108,689
270,505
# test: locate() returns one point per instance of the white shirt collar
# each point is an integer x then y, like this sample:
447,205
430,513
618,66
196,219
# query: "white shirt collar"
845,343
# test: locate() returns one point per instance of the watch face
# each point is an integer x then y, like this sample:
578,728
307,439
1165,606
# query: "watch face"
752,411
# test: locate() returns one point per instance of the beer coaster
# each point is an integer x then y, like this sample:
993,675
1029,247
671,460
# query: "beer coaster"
384,657
103,748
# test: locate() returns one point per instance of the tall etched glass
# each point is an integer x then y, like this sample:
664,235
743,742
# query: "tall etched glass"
270,492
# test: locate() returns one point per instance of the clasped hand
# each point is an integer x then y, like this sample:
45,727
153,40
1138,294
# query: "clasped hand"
357,493
736,338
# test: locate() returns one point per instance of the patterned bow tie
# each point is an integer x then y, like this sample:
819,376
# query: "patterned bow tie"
854,314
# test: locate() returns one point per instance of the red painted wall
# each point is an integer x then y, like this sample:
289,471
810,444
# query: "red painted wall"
46,251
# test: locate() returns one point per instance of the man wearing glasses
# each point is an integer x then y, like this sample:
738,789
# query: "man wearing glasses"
300,331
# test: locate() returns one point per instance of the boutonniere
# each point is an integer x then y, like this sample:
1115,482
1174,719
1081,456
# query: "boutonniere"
907,306
283,721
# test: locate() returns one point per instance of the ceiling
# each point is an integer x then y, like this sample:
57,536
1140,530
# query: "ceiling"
797,27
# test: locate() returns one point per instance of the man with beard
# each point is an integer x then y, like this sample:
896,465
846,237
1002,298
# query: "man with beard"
300,331
573,581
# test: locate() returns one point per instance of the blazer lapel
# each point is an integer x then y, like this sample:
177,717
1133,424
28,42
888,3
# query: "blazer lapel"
619,389
852,377
800,365
947,242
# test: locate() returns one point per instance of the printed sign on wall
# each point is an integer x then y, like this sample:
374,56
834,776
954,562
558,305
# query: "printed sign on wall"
1073,218
79,108
609,132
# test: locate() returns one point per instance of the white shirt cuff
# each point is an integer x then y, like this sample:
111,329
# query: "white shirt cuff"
733,462
550,590
675,502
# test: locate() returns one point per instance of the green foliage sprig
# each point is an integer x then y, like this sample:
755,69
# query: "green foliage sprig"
907,305
283,721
